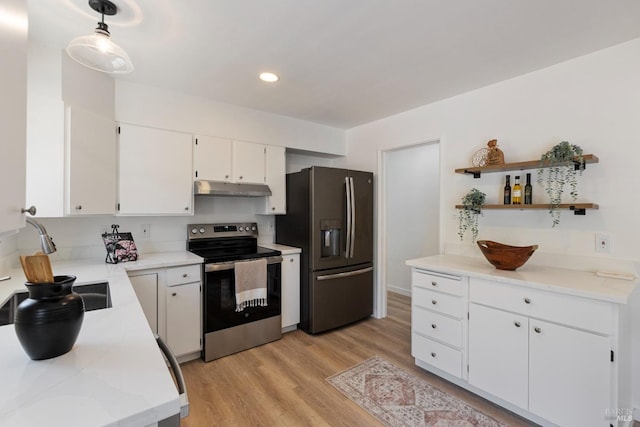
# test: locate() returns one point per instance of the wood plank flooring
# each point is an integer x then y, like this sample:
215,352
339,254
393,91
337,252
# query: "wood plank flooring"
283,383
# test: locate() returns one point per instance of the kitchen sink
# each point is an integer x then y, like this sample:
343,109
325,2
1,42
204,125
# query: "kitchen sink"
96,296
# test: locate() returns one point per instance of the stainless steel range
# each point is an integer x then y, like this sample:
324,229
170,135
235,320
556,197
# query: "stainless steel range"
227,328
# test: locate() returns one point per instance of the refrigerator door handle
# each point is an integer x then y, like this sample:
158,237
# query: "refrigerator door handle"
348,194
353,216
345,274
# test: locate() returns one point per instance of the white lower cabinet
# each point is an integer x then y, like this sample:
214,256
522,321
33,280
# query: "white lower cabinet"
183,310
553,358
290,298
145,286
438,326
171,301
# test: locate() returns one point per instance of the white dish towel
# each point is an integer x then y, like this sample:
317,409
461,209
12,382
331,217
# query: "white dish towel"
251,283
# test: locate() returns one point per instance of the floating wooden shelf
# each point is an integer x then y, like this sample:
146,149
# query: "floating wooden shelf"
577,208
532,164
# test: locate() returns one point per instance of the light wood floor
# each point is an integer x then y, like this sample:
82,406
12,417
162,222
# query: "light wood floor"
283,383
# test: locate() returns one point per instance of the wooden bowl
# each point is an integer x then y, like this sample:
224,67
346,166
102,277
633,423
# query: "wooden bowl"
505,257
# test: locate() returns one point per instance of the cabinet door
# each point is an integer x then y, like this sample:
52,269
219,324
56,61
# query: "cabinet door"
146,289
498,353
183,318
248,162
290,290
155,172
276,180
212,158
13,117
569,375
90,149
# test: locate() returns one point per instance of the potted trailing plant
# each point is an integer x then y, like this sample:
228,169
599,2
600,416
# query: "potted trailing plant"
471,208
559,167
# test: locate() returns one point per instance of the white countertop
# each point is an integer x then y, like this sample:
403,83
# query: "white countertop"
114,375
286,250
572,282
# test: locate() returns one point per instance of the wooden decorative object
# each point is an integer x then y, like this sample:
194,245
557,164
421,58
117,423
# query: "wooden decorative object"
495,156
505,257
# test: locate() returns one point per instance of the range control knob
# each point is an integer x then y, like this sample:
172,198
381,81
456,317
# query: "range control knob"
202,230
194,230
241,228
254,228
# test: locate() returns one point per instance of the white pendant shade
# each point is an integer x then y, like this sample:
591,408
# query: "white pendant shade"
98,52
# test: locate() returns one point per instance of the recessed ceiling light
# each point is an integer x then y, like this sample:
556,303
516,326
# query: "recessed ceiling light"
269,77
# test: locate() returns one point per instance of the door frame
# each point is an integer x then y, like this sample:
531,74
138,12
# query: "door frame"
380,295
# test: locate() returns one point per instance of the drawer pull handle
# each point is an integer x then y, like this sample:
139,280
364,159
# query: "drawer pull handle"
527,300
185,275
433,354
433,326
173,294
434,302
434,283
291,260
538,330
517,324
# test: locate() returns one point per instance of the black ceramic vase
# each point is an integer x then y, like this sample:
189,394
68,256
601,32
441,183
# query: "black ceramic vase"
48,322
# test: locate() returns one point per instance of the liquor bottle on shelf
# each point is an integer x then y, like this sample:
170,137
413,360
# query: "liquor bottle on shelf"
528,191
507,191
516,194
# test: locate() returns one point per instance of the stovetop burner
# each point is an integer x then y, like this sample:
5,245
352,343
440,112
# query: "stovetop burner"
226,242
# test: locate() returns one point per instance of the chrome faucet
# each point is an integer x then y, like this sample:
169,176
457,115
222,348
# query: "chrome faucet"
46,242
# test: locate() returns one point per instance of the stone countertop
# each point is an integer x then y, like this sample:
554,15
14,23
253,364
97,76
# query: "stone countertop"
286,250
114,375
571,282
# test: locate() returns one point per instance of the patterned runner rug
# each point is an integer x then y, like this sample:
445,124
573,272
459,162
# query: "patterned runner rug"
397,398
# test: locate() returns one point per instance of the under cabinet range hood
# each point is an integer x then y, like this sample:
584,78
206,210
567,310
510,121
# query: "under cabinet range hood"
216,188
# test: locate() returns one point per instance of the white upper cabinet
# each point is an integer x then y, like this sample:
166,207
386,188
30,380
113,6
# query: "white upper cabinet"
276,180
155,168
212,158
13,118
224,160
248,162
71,141
90,167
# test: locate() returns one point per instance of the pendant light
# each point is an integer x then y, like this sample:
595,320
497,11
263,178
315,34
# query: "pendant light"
97,51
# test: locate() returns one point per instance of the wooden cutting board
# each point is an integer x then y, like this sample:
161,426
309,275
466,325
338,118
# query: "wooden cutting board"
37,268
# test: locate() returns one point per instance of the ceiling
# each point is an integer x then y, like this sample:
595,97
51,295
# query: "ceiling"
341,63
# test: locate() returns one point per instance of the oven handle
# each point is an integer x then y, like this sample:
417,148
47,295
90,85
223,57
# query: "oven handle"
345,274
230,265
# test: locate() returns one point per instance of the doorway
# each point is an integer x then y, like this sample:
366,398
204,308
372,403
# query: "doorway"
408,214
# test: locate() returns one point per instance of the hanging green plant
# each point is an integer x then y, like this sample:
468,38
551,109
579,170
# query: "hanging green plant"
471,208
559,167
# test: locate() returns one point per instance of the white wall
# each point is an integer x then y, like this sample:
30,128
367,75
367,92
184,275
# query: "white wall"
411,210
159,108
592,101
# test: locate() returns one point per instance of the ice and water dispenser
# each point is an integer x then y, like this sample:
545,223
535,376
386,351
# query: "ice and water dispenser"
330,238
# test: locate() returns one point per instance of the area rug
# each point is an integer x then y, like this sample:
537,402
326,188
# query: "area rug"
397,398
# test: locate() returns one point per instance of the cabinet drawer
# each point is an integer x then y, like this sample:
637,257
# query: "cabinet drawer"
448,283
437,326
184,274
437,355
583,313
437,301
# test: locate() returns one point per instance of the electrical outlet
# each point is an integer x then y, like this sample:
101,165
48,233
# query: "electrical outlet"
106,229
603,243
145,230
271,225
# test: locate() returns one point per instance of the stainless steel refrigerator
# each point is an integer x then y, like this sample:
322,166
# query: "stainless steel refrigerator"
330,217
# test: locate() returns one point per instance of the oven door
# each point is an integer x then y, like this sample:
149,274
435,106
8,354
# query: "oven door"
220,302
